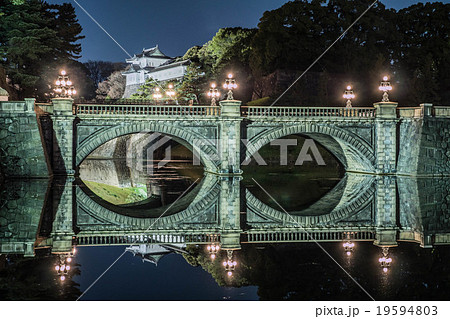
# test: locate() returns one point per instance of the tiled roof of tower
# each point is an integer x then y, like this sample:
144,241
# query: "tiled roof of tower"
154,52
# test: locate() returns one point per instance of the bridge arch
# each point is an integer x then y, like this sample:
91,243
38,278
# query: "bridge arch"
185,136
353,152
355,192
198,201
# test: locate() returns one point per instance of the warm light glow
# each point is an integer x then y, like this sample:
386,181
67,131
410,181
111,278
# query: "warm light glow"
230,76
56,268
69,82
68,268
213,85
224,86
217,247
229,273
62,278
74,91
213,256
157,89
63,83
58,82
170,86
74,250
234,263
385,269
63,267
349,87
208,247
385,78
389,260
224,263
348,253
63,72
69,259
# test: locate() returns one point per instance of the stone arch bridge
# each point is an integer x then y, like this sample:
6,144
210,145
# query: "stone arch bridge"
383,139
39,140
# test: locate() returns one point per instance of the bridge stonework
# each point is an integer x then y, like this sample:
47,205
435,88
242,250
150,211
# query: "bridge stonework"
384,139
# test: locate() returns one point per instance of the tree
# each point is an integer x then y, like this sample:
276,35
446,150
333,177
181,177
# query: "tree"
113,87
228,51
35,37
99,71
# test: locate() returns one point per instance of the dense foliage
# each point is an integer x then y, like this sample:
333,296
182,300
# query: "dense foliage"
412,45
36,40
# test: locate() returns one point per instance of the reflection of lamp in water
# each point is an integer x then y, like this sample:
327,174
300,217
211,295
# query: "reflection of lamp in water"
348,245
213,249
229,264
385,260
63,266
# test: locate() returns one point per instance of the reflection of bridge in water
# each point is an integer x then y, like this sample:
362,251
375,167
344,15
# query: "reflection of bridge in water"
382,209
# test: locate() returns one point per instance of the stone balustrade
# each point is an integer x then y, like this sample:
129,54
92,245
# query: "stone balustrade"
292,111
147,110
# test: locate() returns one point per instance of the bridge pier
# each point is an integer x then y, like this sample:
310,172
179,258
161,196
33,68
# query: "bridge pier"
229,213
386,137
63,228
230,137
63,137
386,212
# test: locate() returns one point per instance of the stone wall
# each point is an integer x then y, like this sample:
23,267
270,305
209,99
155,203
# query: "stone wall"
21,205
410,131
434,155
424,147
21,145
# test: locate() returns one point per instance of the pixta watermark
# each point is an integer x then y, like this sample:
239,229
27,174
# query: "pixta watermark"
147,151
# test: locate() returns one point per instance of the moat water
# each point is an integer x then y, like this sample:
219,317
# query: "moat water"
273,266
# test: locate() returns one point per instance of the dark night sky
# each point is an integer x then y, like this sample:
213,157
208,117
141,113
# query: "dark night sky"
174,25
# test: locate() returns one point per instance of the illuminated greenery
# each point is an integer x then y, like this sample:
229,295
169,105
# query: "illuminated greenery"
118,195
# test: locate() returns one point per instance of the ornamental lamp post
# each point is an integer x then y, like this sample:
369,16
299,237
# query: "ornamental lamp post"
213,250
63,86
170,92
349,95
229,264
157,94
348,245
213,94
385,86
385,260
63,265
230,85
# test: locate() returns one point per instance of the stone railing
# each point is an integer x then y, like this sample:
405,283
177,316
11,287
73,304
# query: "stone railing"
26,106
424,109
292,111
147,238
411,112
44,107
147,110
441,111
254,236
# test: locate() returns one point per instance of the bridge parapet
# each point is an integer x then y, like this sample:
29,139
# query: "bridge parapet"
291,111
441,111
146,110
